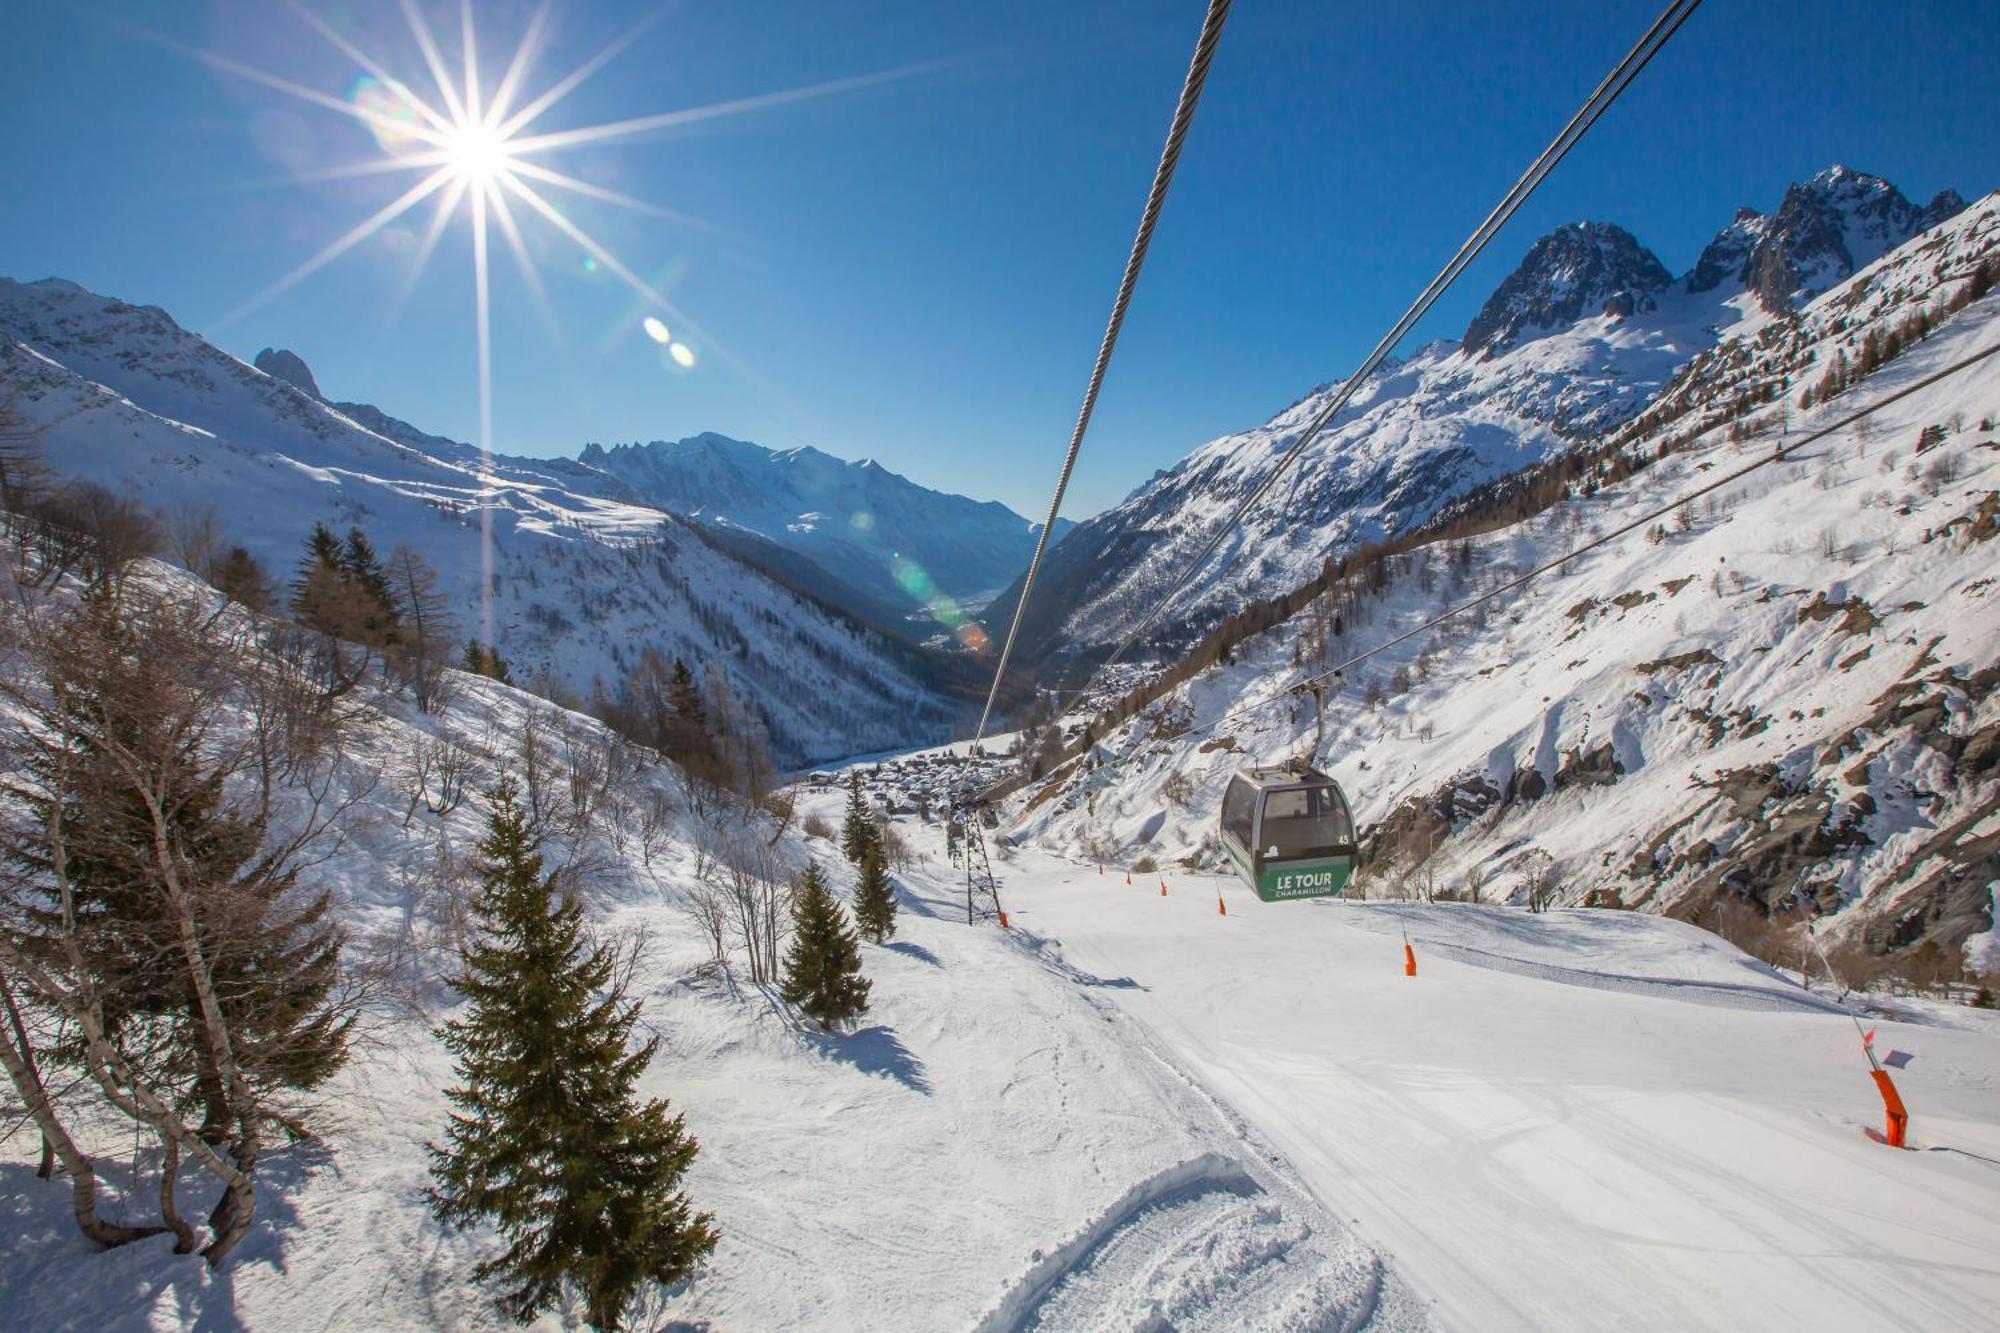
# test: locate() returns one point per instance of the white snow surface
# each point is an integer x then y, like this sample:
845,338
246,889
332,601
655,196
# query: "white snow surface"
1572,1120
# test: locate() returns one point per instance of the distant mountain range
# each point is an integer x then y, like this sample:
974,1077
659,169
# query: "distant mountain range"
536,556
1772,713
854,532
1577,339
912,562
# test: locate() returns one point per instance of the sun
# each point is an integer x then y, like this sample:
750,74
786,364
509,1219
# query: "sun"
479,156
476,153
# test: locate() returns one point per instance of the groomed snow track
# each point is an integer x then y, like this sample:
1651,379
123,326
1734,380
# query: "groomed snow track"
1201,1245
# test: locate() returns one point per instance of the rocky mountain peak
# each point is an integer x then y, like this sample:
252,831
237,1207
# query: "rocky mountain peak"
282,364
1944,204
1829,226
1576,270
1723,258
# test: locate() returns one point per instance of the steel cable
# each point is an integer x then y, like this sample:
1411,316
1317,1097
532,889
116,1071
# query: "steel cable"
1163,175
1606,93
1776,456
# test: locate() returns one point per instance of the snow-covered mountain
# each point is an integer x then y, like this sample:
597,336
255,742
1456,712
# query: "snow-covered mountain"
855,532
1776,706
1575,341
564,580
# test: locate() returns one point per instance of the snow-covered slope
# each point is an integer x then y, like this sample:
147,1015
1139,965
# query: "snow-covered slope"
876,539
1577,340
1780,704
991,1143
1574,1121
563,580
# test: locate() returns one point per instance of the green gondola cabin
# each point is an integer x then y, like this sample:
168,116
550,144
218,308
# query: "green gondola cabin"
1288,832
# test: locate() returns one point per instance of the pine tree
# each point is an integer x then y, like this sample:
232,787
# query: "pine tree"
270,952
201,960
243,581
363,571
857,830
823,970
690,740
482,660
684,697
550,1142
874,899
316,590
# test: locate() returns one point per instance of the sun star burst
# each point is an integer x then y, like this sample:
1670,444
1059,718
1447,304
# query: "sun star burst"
475,154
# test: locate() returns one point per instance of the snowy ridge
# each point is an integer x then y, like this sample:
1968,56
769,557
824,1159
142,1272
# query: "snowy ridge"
563,581
1575,342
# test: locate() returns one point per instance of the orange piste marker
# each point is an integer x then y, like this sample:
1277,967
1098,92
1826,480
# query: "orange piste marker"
1163,888
1409,960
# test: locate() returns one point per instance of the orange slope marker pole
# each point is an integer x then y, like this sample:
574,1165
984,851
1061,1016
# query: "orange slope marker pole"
1892,1106
1896,1116
1409,955
1163,886
1128,877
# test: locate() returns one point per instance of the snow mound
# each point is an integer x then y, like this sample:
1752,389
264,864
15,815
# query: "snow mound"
1202,1245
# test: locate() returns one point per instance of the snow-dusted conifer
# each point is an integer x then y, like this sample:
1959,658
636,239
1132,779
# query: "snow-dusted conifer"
484,660
874,898
550,1142
857,830
823,970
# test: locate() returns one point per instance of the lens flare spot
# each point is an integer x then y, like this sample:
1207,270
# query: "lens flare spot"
390,112
589,264
656,330
972,638
945,611
862,522
912,578
683,355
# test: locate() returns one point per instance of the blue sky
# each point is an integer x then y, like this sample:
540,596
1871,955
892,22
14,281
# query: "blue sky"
919,271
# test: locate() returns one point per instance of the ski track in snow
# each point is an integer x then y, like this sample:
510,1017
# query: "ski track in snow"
1648,1143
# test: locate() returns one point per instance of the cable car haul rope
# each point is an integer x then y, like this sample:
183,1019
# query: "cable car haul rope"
1600,100
1288,831
1163,176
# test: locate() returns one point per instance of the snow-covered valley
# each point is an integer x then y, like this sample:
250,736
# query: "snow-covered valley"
1142,1098
1130,1109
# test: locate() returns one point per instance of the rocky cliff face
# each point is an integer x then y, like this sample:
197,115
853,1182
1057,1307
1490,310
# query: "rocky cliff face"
1576,270
1826,228
280,363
